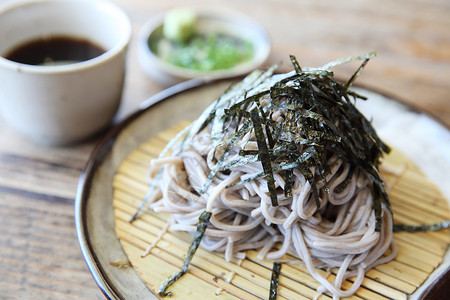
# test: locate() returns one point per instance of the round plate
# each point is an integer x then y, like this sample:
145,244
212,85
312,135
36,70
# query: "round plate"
419,137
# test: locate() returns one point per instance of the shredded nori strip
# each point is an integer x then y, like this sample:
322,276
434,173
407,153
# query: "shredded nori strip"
274,281
295,64
203,221
417,228
264,154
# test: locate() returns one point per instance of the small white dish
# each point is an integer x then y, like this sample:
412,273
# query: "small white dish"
208,21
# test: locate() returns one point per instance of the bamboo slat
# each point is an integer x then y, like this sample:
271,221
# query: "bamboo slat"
414,200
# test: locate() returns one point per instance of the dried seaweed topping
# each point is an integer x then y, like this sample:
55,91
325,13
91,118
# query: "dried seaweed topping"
203,221
319,119
417,228
274,281
264,155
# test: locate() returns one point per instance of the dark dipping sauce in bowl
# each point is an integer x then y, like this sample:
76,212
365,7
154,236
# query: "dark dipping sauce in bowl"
54,50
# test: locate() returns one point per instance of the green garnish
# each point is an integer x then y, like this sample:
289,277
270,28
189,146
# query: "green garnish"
179,24
205,52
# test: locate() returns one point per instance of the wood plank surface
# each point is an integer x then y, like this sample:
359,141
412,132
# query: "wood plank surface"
419,253
39,253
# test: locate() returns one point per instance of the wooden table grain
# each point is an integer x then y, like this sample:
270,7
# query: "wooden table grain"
39,253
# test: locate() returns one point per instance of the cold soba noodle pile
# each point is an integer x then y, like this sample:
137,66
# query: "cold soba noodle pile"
281,163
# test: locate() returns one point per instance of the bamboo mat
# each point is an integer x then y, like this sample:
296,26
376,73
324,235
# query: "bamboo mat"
414,200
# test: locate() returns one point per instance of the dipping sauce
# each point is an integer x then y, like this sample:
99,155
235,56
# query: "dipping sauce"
54,50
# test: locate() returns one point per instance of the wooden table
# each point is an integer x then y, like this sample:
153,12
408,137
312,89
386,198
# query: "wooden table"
39,253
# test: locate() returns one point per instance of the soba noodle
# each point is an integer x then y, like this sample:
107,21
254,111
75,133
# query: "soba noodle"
339,233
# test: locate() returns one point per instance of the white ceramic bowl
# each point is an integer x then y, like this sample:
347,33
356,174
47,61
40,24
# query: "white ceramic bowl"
62,104
208,21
